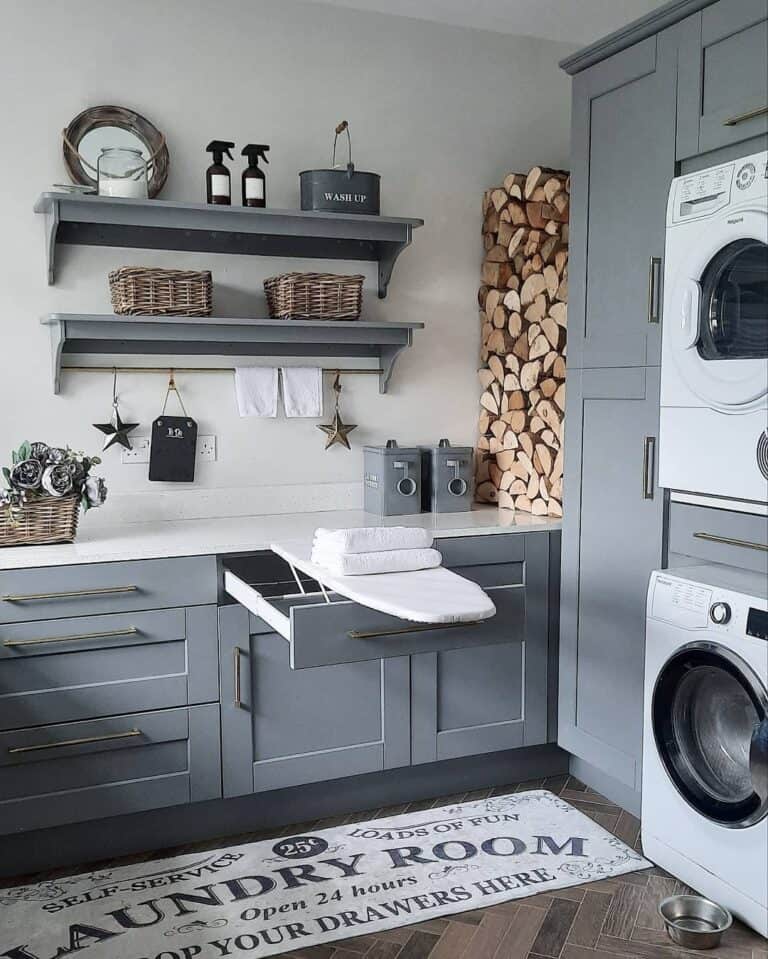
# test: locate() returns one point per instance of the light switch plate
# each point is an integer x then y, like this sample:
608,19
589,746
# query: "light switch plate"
206,448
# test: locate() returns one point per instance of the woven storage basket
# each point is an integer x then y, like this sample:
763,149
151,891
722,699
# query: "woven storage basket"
147,291
43,519
314,296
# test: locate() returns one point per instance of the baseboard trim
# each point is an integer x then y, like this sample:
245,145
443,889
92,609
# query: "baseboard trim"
606,785
82,844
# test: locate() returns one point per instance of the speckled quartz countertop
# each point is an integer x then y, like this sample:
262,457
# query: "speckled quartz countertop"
233,534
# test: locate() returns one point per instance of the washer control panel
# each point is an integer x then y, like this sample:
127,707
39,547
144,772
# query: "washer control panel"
708,191
720,613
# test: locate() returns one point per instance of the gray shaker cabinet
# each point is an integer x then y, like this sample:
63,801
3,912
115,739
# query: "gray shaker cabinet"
612,539
285,727
723,80
623,154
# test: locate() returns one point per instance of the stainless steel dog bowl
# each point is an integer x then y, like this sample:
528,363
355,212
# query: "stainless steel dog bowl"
694,922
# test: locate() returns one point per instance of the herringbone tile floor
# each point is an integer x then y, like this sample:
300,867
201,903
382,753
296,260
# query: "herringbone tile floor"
610,919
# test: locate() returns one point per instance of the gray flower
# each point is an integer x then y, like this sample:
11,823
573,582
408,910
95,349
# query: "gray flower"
39,451
57,480
95,491
27,474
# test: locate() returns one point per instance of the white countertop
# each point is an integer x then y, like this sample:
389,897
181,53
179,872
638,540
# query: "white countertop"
236,534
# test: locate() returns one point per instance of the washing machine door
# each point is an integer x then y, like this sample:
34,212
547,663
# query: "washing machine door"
719,337
710,722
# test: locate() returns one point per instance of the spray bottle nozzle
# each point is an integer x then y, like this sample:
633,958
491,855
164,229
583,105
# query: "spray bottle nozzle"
218,148
255,150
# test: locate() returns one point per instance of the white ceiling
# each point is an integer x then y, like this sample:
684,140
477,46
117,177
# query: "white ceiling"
569,21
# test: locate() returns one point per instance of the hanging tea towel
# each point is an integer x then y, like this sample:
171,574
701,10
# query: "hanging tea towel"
303,390
256,390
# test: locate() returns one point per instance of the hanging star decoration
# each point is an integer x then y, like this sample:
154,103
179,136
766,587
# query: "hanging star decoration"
116,431
337,431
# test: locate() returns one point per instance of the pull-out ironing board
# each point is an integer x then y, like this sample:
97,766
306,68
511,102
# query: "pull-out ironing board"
353,618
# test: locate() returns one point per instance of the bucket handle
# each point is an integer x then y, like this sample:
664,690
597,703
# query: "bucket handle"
343,127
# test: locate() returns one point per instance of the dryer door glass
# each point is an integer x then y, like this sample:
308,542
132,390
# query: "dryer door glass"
708,709
733,320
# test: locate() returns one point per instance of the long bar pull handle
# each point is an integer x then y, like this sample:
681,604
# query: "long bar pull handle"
86,740
649,466
654,289
102,591
743,117
729,541
420,628
75,638
238,701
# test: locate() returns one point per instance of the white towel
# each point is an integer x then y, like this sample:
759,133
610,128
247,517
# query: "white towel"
256,390
303,390
372,539
384,561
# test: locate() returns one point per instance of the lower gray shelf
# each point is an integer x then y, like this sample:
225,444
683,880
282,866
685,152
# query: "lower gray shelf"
225,336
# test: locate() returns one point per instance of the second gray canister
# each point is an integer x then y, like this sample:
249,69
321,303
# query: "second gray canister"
446,478
392,480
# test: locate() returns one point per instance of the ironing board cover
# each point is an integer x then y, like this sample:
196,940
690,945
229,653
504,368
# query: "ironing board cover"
424,596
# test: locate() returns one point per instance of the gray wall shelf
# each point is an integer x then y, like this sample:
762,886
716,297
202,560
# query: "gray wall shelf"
225,336
200,228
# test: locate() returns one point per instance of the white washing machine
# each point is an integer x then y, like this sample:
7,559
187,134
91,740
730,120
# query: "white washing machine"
714,367
705,743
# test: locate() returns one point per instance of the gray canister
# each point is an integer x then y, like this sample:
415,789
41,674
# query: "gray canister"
446,478
392,480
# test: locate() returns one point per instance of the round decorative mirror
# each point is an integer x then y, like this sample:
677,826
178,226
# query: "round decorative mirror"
109,127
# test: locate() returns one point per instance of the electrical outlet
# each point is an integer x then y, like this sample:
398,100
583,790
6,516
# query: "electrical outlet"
139,452
206,449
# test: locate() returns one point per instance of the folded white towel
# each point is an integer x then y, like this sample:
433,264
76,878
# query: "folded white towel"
372,539
256,390
383,561
302,390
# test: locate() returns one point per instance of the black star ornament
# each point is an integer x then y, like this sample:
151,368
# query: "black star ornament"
116,431
337,431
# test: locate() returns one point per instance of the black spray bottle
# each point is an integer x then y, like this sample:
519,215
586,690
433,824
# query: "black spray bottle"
218,182
254,179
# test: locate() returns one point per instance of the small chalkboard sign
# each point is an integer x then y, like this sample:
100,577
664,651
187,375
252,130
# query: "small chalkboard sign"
174,443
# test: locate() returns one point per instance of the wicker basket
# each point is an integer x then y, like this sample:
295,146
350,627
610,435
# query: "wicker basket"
147,291
42,519
314,296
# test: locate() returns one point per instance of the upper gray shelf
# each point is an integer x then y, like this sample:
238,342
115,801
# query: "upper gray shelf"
198,227
90,333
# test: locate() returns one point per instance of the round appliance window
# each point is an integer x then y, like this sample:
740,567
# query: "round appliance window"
733,320
708,706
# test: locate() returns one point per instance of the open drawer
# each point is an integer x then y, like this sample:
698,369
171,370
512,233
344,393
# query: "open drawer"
324,628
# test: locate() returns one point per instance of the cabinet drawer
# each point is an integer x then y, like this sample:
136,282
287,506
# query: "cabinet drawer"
73,772
64,670
481,550
59,591
718,536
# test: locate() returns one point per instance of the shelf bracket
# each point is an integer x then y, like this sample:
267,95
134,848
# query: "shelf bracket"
388,254
389,355
51,233
57,333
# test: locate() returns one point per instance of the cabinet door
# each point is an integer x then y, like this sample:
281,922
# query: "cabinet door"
612,540
623,155
284,727
488,698
723,81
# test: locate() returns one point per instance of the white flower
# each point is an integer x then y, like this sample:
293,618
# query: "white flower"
95,490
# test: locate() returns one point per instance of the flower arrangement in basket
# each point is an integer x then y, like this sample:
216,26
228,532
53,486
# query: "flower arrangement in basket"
46,486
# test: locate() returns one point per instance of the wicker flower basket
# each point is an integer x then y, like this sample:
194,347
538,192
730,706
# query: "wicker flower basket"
314,296
41,520
147,291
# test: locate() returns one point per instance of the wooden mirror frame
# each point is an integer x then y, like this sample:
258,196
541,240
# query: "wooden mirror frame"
112,116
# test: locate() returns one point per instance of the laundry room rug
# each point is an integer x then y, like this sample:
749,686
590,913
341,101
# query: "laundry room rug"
269,897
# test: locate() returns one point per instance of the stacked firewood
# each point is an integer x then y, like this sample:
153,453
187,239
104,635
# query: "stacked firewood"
523,299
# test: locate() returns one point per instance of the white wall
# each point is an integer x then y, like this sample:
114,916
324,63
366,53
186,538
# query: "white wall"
441,112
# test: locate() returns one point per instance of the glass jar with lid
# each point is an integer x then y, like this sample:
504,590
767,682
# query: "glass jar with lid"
122,172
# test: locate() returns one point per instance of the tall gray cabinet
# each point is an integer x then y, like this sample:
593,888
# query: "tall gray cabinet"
687,79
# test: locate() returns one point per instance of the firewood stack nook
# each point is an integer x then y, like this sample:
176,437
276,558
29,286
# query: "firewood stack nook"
523,297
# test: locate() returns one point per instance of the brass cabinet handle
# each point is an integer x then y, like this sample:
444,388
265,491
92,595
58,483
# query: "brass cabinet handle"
418,628
654,288
238,701
75,638
649,466
729,541
743,117
86,740
102,591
